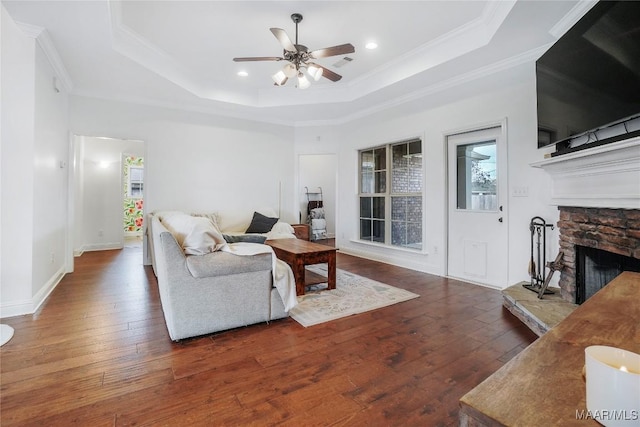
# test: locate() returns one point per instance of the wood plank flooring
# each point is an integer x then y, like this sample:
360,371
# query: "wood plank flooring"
97,353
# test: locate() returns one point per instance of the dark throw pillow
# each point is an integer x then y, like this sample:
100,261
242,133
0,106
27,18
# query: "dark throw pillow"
248,238
261,223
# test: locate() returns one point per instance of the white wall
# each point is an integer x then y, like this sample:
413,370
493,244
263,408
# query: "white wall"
18,93
51,172
198,162
510,94
99,197
34,196
319,170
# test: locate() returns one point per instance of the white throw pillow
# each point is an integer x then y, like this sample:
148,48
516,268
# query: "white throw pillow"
196,235
282,228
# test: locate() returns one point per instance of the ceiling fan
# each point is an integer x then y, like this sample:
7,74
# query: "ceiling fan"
299,59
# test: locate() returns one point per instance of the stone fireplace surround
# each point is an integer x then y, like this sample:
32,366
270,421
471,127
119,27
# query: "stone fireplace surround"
597,191
611,230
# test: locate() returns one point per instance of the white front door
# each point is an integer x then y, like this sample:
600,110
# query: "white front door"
477,192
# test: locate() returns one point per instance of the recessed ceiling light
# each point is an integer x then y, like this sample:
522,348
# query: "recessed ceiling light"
371,45
243,73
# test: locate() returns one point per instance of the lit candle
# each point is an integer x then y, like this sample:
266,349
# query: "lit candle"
613,385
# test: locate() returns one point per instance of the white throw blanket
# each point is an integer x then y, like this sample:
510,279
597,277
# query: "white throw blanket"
283,278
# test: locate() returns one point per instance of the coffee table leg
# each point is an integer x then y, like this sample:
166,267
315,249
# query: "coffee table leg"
298,274
331,264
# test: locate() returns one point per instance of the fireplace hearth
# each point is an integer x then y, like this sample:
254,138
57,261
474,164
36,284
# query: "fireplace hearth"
604,241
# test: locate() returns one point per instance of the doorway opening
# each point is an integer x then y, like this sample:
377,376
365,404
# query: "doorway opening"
318,172
133,199
108,193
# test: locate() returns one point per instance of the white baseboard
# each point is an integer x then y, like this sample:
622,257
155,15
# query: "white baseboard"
16,308
30,306
393,259
46,290
101,246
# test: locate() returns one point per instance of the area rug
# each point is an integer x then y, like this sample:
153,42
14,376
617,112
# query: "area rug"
353,294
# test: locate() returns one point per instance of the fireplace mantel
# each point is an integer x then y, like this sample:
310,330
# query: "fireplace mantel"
607,176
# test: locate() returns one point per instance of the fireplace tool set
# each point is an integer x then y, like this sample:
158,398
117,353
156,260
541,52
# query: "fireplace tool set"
539,283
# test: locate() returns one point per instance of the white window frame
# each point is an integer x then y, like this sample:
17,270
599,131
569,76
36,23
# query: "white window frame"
388,196
132,182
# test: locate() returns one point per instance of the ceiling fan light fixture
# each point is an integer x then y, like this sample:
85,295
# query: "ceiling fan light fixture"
280,78
289,70
298,56
303,82
315,72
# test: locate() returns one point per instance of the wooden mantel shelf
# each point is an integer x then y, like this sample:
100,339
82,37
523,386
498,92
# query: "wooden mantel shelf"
543,385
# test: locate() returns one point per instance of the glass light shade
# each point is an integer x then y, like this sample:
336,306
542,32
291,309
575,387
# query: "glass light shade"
289,70
303,82
314,72
280,78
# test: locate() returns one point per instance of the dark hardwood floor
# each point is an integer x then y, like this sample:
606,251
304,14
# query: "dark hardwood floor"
97,353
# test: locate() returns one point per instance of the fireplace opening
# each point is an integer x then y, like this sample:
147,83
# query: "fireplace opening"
595,268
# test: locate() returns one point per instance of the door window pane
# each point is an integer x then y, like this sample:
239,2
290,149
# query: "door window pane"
477,176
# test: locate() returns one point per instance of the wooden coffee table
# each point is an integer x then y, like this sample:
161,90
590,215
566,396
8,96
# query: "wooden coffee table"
300,253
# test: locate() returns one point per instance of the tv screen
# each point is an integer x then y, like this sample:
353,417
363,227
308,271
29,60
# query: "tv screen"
590,78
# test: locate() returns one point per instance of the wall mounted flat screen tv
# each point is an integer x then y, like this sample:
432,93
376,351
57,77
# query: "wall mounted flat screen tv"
590,78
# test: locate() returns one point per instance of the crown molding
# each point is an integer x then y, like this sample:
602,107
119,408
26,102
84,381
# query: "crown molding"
570,19
473,35
523,58
48,47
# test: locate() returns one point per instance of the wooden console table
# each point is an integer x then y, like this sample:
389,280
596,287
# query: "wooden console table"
543,385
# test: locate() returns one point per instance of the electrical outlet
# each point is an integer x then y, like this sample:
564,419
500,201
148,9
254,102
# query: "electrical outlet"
100,233
52,257
435,250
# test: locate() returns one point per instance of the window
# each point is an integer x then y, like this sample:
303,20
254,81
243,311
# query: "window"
476,177
136,181
391,194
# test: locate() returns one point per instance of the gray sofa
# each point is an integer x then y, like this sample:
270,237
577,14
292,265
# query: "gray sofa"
201,294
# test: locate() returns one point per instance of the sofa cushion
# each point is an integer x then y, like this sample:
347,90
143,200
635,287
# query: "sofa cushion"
261,223
195,235
224,263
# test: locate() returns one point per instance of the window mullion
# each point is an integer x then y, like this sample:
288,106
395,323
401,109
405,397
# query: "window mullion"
387,198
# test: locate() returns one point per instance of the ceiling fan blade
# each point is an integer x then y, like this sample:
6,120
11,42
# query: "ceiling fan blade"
284,39
258,58
327,73
333,51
